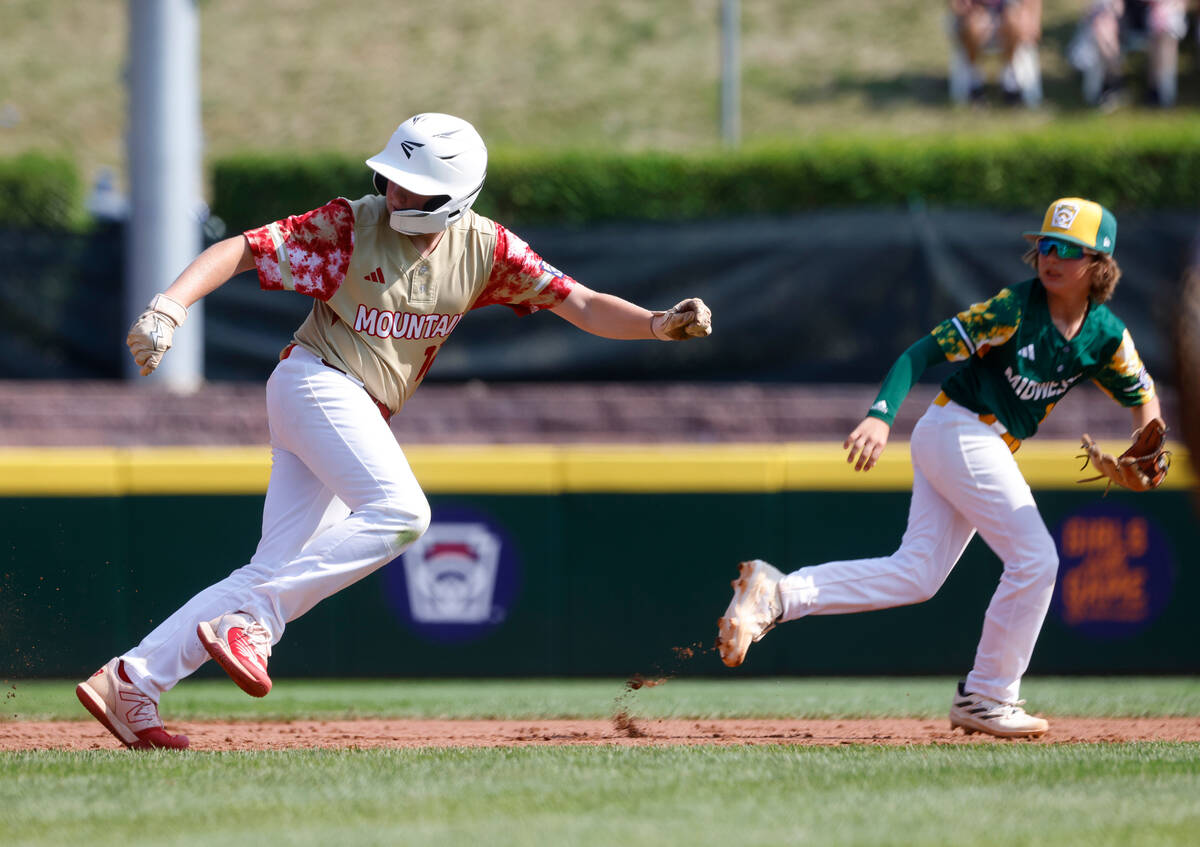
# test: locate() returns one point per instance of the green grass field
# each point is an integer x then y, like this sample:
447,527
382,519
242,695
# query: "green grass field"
614,74
1005,794
907,697
1001,793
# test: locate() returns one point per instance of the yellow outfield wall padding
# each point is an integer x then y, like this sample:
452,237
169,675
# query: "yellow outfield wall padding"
521,469
117,471
672,468
487,469
196,470
59,472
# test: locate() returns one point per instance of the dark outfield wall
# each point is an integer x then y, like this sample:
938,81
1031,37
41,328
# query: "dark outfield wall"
830,296
574,577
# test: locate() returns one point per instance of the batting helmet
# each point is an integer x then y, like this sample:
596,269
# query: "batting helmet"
436,155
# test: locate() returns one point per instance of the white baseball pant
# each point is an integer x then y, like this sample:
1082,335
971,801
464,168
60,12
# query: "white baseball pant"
341,502
964,479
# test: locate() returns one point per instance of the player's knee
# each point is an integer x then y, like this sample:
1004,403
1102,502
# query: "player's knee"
405,523
1049,568
927,587
417,517
423,516
1038,564
1047,549
917,585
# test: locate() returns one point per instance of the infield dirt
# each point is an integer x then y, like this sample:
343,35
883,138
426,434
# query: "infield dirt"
287,735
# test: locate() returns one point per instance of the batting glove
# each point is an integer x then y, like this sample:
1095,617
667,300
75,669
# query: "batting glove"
151,334
688,318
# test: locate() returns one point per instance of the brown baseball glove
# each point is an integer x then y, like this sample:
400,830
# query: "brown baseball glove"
1142,467
685,320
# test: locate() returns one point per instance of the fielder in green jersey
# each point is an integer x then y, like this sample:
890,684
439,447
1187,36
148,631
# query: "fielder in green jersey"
1022,350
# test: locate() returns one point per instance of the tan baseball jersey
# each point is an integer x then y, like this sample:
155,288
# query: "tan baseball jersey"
382,311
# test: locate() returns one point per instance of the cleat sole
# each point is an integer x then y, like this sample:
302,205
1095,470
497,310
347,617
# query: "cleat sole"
229,663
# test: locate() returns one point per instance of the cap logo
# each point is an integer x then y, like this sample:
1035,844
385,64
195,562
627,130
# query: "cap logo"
409,146
1064,215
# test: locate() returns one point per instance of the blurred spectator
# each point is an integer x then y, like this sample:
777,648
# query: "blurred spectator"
1111,29
106,202
1010,27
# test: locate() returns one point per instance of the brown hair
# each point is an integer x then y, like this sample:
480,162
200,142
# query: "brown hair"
1105,273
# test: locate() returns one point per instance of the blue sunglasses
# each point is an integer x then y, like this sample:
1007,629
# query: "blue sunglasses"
1065,249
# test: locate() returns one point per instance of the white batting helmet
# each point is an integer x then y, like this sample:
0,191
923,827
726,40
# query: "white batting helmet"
436,155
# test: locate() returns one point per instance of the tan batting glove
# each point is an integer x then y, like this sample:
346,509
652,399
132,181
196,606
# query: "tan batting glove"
151,334
688,318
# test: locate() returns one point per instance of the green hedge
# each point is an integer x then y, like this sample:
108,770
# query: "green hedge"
1154,167
256,188
39,191
1157,168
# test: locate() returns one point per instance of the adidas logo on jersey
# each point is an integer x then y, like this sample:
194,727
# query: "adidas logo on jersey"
880,406
376,276
1026,352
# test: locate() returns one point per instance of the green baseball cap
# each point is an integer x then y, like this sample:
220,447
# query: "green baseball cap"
1080,222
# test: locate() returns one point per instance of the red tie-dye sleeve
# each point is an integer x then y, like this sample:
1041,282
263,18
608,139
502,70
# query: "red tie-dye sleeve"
521,279
308,253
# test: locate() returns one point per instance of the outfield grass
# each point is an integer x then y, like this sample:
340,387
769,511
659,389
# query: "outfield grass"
1129,794
596,698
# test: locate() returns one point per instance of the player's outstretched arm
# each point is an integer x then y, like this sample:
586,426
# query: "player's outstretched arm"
152,332
867,441
1145,413
610,316
211,269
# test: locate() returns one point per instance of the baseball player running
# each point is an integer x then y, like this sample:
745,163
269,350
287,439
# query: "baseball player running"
1022,351
391,275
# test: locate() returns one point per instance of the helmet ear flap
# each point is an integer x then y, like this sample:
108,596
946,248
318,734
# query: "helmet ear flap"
435,203
432,205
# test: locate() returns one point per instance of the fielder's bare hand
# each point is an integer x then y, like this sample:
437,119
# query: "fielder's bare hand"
152,332
867,442
687,319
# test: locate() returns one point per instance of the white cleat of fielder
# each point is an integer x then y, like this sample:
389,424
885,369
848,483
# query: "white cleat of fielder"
752,613
976,713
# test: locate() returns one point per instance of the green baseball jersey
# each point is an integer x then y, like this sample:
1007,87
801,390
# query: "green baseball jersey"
1018,364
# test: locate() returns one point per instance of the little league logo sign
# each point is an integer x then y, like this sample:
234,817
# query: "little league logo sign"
457,582
450,573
